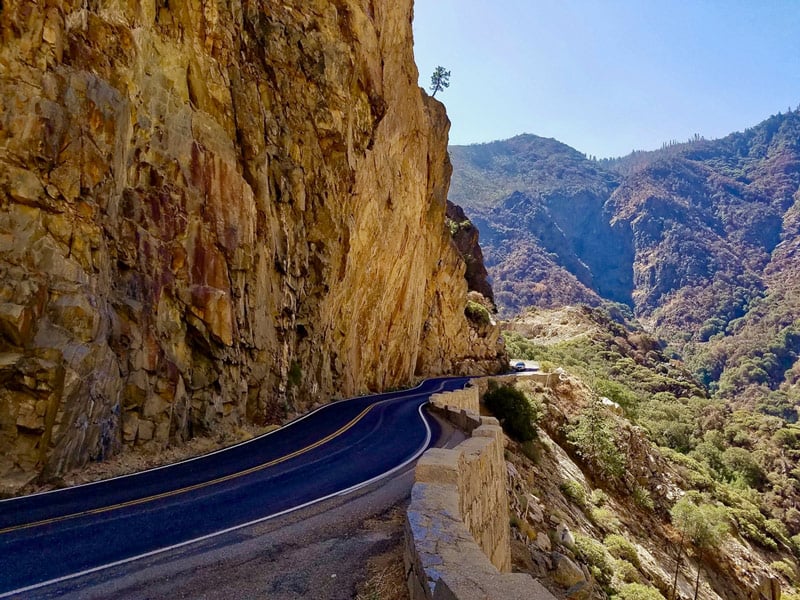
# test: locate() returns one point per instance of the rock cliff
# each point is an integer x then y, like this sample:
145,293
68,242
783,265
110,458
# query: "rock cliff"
465,236
213,212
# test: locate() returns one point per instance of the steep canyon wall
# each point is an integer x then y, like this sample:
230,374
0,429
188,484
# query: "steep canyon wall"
213,212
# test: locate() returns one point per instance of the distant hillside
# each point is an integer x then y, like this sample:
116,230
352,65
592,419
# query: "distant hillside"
540,208
698,239
616,476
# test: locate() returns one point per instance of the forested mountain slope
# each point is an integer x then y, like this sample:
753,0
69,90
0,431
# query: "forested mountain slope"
632,460
698,239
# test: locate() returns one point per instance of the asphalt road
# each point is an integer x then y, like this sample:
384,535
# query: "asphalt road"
56,535
321,552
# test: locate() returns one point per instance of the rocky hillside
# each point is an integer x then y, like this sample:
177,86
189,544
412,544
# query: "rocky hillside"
634,470
215,213
697,239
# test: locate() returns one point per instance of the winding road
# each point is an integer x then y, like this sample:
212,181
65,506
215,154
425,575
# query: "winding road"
341,447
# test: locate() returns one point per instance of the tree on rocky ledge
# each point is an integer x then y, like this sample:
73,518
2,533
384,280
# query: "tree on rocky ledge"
440,80
595,440
703,524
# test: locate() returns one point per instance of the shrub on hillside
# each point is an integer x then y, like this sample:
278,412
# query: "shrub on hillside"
795,541
477,313
742,465
785,568
642,498
575,492
606,519
520,347
595,438
624,572
619,547
594,554
617,392
598,497
516,413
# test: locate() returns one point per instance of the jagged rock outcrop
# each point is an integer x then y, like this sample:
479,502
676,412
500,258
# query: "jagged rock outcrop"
465,236
214,211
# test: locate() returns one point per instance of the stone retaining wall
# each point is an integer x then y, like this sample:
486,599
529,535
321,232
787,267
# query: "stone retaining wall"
467,399
457,533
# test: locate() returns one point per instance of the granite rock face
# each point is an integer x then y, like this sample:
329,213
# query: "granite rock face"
465,236
213,212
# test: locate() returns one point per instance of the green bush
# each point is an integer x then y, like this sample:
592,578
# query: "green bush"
598,497
452,226
516,413
605,519
642,498
795,539
594,554
743,466
752,525
520,347
697,473
778,531
785,568
547,366
595,439
477,313
616,391
638,591
575,492
625,572
619,547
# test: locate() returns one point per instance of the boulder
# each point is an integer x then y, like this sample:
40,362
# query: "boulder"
566,573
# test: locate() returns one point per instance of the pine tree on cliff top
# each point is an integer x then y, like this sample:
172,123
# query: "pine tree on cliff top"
439,80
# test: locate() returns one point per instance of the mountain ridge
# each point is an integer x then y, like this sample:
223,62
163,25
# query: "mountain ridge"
693,238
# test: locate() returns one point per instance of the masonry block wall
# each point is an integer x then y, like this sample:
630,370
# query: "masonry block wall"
467,399
457,532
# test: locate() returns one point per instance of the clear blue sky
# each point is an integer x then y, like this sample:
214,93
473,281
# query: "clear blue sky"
610,76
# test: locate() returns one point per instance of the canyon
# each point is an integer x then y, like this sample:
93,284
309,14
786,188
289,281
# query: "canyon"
696,240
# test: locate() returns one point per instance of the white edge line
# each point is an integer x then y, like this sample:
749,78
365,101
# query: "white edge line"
344,492
225,449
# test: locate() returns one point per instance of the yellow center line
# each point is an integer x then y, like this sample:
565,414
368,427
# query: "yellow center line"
196,486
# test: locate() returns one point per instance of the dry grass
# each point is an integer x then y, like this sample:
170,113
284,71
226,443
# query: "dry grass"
385,572
385,582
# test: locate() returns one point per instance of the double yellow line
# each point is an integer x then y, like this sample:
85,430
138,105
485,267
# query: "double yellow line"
196,486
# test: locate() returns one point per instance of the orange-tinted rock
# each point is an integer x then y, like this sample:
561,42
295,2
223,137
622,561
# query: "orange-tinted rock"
198,202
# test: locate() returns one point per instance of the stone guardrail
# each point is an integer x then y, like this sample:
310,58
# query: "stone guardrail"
467,399
457,532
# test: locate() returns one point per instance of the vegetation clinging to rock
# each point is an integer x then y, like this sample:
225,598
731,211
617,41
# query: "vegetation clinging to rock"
477,313
738,467
516,413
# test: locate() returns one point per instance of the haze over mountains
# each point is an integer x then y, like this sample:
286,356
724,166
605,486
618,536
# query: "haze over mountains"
698,239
